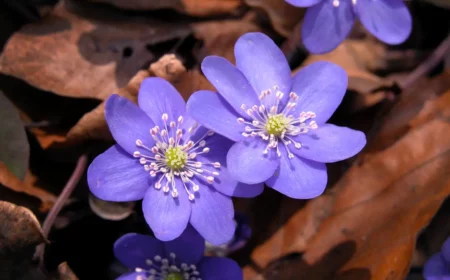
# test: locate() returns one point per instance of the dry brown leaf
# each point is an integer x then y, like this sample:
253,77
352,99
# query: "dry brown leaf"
190,7
283,16
65,273
370,219
20,232
359,58
220,36
93,124
210,7
84,51
10,181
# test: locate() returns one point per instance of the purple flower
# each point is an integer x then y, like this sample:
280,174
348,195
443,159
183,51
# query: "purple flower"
328,22
277,121
241,236
438,266
176,167
179,259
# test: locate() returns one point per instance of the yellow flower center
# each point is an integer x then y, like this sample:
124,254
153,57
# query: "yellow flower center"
174,276
176,158
276,124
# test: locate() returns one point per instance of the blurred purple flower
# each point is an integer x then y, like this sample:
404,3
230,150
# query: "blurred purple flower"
241,236
164,158
179,259
328,22
438,266
277,121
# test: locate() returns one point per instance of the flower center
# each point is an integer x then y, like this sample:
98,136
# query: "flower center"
176,158
175,276
276,124
159,268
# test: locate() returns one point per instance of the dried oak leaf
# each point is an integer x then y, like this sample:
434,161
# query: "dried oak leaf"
190,7
93,124
9,180
219,37
284,17
372,216
84,50
20,232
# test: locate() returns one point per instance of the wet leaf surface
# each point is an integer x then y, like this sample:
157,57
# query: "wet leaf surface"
15,150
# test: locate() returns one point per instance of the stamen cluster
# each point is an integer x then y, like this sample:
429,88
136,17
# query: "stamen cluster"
173,157
165,268
275,125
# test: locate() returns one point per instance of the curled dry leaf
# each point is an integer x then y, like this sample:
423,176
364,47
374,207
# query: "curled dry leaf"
283,16
9,180
219,37
93,124
20,232
15,150
372,216
84,50
190,7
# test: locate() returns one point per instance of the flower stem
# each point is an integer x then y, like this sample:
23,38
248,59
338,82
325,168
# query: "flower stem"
62,199
432,61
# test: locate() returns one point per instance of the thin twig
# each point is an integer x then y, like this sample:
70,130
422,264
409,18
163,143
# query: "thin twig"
60,202
428,65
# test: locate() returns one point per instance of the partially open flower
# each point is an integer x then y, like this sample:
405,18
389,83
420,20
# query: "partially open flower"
438,266
165,158
278,122
328,22
182,258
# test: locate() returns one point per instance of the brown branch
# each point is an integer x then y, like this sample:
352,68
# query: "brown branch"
432,61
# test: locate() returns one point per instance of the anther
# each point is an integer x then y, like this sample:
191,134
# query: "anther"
240,120
198,164
202,143
166,189
216,164
174,193
180,119
137,154
158,185
195,188
191,197
206,150
172,124
210,179
138,143
165,117
210,133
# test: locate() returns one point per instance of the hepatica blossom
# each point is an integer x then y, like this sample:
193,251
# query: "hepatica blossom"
182,258
328,22
163,157
278,122
438,266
